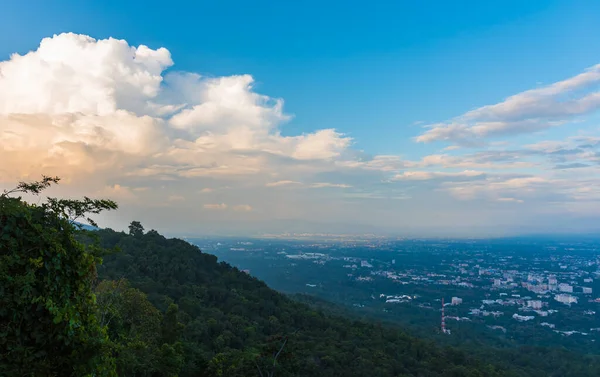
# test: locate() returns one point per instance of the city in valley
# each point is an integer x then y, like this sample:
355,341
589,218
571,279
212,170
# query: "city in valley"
532,291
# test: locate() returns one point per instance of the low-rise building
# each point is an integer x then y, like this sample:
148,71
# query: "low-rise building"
456,300
523,318
565,299
565,288
534,304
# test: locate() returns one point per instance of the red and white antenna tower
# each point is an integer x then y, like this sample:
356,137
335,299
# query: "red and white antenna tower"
444,331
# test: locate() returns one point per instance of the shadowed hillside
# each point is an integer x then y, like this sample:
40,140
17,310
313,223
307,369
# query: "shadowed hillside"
234,324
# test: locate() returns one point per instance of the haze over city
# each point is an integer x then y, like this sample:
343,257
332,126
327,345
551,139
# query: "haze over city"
478,121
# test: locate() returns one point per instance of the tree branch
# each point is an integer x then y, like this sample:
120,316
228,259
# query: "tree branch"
259,370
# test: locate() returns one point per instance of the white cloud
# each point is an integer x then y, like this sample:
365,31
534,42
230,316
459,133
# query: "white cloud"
242,208
427,175
72,73
223,206
500,186
529,111
118,192
521,182
485,160
229,102
112,121
326,184
77,105
548,146
215,206
323,144
384,163
282,183
451,148
312,185
513,200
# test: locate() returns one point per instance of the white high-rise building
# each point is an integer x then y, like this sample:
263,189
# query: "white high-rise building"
552,280
587,290
456,300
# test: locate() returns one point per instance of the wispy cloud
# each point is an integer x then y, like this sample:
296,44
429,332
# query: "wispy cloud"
574,165
526,112
282,183
216,206
510,200
428,175
242,208
326,184
451,148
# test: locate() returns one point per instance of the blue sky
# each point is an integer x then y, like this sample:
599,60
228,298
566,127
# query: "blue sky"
377,72
353,65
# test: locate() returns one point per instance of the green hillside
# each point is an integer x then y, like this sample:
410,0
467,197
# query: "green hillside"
105,303
232,320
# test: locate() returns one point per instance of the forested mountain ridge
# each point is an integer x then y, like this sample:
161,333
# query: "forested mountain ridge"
233,324
76,302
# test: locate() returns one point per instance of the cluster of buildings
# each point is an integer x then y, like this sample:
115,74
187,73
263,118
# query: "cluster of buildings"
527,289
500,286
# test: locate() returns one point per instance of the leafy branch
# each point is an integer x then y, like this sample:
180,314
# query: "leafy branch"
34,188
69,209
77,209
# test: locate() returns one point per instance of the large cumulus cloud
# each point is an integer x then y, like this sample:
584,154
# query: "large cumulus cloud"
77,105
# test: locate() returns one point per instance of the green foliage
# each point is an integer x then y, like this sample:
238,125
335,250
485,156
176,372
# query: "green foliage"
234,325
136,229
76,209
171,327
145,342
48,323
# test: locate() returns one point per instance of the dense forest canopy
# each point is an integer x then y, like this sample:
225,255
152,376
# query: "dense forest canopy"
234,324
48,319
104,303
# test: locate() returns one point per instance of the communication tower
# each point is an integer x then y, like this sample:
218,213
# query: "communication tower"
444,330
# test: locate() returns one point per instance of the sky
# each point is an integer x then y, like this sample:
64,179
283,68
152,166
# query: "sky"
428,118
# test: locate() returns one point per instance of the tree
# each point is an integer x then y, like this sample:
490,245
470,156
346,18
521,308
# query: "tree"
268,369
171,328
147,343
136,229
48,322
133,326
